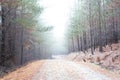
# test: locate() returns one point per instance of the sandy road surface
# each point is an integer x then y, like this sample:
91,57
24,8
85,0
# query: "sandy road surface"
67,70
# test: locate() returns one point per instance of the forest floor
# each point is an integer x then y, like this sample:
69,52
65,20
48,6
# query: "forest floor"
109,59
24,72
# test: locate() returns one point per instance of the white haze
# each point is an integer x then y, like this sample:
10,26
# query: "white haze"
56,13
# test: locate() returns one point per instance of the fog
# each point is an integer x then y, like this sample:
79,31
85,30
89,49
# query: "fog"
56,13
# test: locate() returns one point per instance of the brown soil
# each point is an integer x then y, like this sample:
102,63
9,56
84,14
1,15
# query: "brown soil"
23,73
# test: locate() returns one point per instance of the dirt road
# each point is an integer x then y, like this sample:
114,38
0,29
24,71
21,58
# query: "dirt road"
68,70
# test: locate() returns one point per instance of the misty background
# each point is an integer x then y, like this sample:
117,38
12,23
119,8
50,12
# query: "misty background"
56,13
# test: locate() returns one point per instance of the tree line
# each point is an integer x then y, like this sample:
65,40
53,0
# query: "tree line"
21,32
94,24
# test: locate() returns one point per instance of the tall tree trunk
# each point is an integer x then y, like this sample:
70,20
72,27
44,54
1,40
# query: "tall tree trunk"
3,10
78,42
100,27
90,24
